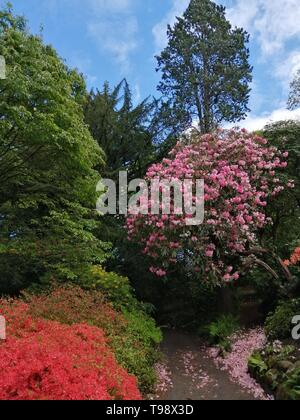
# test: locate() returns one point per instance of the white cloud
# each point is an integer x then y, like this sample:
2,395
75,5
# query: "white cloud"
118,37
288,68
100,6
160,30
114,28
278,23
243,13
274,22
253,122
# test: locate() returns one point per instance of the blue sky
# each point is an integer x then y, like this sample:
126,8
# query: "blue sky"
112,39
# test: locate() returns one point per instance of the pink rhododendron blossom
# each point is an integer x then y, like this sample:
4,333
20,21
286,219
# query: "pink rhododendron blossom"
241,175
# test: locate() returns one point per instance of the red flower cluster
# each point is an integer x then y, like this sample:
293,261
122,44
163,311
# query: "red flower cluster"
295,258
45,360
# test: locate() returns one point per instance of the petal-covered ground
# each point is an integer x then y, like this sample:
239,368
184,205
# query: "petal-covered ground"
189,373
236,362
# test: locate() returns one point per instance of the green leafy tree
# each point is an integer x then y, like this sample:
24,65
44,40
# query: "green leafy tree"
128,134
205,68
49,165
279,239
285,209
132,137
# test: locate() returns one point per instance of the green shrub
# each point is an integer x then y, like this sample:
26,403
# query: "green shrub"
139,353
257,367
220,331
116,288
290,390
278,325
276,368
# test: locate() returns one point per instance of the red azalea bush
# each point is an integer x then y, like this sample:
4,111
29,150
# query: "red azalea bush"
70,304
132,335
240,171
44,360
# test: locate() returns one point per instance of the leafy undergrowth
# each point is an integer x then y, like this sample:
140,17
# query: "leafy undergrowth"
218,333
277,368
46,360
131,334
243,344
278,324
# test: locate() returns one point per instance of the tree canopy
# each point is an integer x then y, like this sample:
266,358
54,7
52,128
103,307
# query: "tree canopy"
205,68
49,164
129,134
285,210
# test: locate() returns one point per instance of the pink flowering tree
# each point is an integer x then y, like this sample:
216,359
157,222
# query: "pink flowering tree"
241,175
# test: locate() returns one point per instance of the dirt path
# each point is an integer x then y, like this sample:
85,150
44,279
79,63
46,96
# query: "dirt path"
193,376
